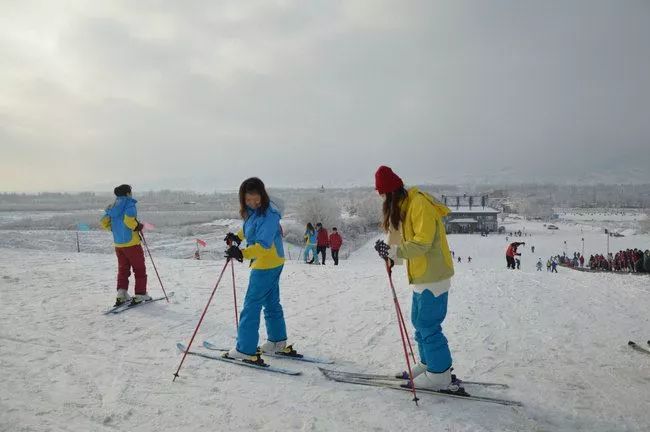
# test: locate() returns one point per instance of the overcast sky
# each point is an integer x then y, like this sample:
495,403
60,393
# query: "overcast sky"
200,95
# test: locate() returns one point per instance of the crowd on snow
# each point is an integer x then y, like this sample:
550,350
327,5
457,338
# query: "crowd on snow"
629,260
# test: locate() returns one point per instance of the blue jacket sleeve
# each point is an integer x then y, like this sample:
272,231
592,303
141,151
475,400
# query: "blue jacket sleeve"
267,230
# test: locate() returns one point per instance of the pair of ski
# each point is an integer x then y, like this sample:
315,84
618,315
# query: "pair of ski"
639,348
374,380
395,383
129,305
266,367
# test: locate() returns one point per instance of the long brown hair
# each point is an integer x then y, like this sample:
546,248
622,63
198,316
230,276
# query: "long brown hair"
391,208
252,185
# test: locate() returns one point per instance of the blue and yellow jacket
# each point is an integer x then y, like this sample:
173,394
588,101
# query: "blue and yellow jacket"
263,239
311,237
120,218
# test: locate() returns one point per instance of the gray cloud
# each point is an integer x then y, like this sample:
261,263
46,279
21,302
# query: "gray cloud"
202,94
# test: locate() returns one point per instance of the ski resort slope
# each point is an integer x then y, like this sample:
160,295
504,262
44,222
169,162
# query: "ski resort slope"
559,341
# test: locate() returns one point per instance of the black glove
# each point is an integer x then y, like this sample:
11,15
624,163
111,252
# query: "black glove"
382,249
138,227
234,252
232,238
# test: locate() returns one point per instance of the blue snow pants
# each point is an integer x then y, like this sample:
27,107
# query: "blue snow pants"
263,292
427,314
312,248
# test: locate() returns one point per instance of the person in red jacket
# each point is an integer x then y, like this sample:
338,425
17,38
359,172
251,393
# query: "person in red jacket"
511,252
335,243
322,241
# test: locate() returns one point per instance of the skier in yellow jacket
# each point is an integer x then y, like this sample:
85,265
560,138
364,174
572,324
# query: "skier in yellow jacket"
413,221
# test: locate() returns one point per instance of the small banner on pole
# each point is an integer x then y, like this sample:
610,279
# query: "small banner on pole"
83,227
201,242
148,226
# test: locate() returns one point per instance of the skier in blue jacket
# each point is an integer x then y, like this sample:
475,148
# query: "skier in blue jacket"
121,218
264,248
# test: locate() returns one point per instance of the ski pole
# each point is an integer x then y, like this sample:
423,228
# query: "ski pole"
201,319
408,338
153,264
234,294
402,329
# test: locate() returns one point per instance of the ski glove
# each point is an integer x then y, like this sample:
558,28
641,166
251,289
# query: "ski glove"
386,252
234,252
232,238
138,227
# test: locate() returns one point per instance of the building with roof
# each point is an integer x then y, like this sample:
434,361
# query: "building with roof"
469,214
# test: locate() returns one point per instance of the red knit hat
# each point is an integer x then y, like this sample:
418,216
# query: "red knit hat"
386,181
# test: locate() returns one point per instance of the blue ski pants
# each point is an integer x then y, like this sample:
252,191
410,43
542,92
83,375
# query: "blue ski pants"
263,292
427,314
312,248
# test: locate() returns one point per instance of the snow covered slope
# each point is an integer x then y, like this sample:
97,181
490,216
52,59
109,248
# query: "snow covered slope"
559,340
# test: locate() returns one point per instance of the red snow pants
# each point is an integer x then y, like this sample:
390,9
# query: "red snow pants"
127,258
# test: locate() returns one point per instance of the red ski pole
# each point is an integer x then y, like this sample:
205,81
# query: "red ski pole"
154,265
201,319
408,338
402,329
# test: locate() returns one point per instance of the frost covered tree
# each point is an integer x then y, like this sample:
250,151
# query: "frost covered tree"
644,224
319,209
367,208
535,208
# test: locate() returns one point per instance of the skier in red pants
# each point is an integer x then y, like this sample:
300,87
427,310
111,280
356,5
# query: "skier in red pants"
121,218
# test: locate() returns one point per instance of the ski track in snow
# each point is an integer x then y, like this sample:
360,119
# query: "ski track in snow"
558,340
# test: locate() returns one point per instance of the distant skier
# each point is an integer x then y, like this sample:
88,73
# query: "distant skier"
469,259
335,242
553,265
121,218
532,249
539,264
265,250
548,265
460,259
310,243
511,252
423,244
582,261
322,242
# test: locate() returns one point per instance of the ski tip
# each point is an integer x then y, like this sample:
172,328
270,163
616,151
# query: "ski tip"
630,343
649,342
180,346
208,344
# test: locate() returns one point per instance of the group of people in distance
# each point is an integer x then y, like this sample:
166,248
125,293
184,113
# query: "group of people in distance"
317,241
413,222
629,260
551,264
